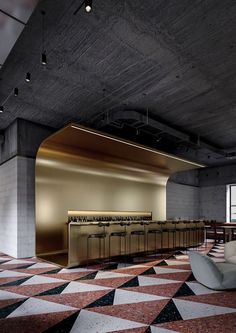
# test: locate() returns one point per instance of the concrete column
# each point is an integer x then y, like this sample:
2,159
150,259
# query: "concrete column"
17,187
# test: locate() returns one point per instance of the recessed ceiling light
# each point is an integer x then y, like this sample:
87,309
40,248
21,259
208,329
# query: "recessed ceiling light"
28,77
16,92
44,59
88,5
1,109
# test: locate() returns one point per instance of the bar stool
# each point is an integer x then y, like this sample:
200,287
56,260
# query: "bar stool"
99,236
138,233
120,234
155,232
170,230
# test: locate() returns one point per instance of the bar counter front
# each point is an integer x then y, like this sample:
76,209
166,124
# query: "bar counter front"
102,235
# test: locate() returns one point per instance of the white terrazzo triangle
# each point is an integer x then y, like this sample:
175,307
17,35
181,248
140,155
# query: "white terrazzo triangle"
125,265
42,265
75,270
199,289
176,262
109,275
129,297
191,310
155,329
39,279
152,281
163,270
18,262
92,322
78,287
4,259
35,306
7,273
4,294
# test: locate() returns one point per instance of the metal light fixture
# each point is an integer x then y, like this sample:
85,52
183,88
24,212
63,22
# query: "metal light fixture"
28,77
1,109
44,58
88,5
16,92
43,54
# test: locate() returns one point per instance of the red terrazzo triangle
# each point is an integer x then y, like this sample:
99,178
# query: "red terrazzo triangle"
14,267
167,290
181,276
227,299
144,312
34,271
33,289
6,302
213,324
132,271
35,323
186,267
4,281
110,282
68,276
76,300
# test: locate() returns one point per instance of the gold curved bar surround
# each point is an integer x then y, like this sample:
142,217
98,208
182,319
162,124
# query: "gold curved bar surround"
89,170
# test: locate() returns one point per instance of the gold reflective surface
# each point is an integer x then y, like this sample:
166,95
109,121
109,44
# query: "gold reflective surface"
81,169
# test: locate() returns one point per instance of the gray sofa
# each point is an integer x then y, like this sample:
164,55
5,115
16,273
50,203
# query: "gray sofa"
230,252
218,276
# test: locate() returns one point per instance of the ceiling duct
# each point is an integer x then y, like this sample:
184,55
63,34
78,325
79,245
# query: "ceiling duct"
139,120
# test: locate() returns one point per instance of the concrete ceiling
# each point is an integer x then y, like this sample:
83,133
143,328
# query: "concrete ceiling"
171,61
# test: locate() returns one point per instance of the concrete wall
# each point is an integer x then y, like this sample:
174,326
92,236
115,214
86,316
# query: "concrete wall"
182,201
25,207
17,187
202,190
8,207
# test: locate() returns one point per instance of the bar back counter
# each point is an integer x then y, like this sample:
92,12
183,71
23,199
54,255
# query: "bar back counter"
104,234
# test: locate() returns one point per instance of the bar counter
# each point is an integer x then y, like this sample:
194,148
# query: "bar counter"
90,240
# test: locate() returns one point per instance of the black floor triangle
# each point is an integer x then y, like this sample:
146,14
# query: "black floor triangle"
25,266
64,326
17,282
54,291
103,301
169,313
90,276
110,267
162,263
191,278
184,290
172,257
54,271
149,271
131,283
148,330
4,312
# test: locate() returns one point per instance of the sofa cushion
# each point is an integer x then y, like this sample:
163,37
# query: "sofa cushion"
206,271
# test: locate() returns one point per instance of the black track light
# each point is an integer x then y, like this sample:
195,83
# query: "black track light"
28,77
16,92
1,109
44,59
88,5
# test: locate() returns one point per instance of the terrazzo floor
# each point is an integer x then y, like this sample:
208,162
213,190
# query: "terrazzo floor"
149,295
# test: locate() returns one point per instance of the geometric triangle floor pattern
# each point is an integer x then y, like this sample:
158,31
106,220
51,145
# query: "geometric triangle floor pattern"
149,295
